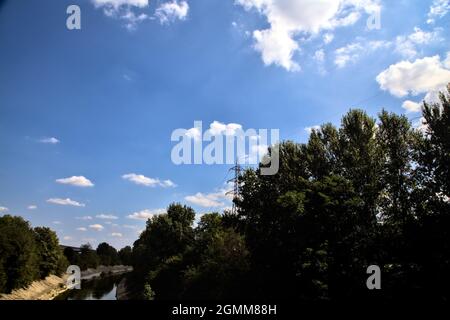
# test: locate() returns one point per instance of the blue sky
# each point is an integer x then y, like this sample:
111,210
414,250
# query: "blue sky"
86,115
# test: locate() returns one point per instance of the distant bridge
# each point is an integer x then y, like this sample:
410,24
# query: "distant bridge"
75,249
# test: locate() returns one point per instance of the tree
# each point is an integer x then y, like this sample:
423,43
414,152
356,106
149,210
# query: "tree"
158,253
126,256
18,253
50,256
220,264
107,254
71,256
88,257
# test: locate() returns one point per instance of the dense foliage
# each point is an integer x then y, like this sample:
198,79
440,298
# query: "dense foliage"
27,254
370,192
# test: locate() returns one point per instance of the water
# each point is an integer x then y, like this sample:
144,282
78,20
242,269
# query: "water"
103,288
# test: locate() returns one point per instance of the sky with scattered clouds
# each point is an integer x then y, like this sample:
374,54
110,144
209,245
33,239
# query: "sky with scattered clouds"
86,116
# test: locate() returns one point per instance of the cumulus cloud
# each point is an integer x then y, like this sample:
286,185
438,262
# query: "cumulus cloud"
83,229
67,238
411,106
146,214
32,207
51,140
421,76
65,202
219,128
3,209
140,179
438,9
447,61
428,76
276,47
216,128
78,181
116,234
211,200
205,200
289,18
96,227
107,216
170,11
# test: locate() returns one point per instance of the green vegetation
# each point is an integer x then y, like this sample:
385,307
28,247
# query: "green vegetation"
369,192
28,254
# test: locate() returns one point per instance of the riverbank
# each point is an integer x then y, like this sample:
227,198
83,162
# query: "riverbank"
46,289
52,286
105,270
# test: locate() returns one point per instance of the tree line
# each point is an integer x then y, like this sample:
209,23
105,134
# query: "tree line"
371,192
28,254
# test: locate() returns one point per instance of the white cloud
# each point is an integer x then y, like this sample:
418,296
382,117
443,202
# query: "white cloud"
194,133
438,9
65,202
140,179
84,218
425,75
276,47
353,51
411,106
3,209
407,45
219,128
32,207
204,200
146,214
106,217
289,18
310,129
119,3
447,61
78,181
170,11
83,229
67,238
131,21
328,38
96,227
123,10
116,234
56,222
211,200
51,140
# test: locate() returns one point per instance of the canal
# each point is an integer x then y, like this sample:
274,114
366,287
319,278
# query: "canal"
102,288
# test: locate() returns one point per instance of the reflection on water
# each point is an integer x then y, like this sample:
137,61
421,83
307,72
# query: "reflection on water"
103,288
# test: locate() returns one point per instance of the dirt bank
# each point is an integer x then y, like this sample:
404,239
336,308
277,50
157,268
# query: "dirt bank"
46,289
53,285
